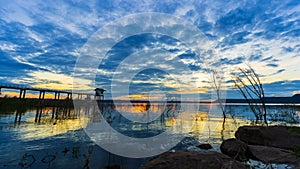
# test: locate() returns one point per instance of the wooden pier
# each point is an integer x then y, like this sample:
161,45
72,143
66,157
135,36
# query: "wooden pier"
42,92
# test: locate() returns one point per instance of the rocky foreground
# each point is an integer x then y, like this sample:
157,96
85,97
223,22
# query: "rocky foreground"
273,144
191,160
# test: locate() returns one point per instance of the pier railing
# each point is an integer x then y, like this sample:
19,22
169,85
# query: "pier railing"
43,91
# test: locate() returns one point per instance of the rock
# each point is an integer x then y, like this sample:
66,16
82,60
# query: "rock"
199,160
274,136
236,149
205,146
273,155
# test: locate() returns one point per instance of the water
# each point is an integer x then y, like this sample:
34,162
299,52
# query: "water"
53,137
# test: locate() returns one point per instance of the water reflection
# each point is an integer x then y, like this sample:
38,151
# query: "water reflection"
50,121
20,111
54,135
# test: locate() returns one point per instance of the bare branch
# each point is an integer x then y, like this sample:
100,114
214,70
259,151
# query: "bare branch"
250,87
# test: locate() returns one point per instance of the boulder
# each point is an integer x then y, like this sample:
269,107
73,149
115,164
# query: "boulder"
204,146
199,160
273,155
236,149
274,136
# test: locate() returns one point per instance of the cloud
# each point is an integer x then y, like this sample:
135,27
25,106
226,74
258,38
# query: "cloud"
7,46
58,81
275,89
272,65
47,37
266,59
255,57
282,88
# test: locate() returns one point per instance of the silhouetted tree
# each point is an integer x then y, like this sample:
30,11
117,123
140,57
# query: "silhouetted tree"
217,86
248,83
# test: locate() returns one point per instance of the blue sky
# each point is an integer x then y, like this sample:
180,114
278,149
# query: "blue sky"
40,42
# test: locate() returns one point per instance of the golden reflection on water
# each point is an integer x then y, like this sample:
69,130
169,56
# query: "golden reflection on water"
206,126
216,127
171,122
200,125
136,108
140,108
47,126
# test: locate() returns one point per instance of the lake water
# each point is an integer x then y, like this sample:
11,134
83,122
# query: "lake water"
58,137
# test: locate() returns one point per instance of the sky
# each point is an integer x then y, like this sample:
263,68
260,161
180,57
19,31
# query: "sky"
42,42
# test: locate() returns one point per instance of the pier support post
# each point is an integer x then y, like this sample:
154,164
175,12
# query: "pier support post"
24,94
44,95
37,114
70,96
53,111
21,91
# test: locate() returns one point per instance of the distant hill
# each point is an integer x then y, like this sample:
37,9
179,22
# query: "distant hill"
291,100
